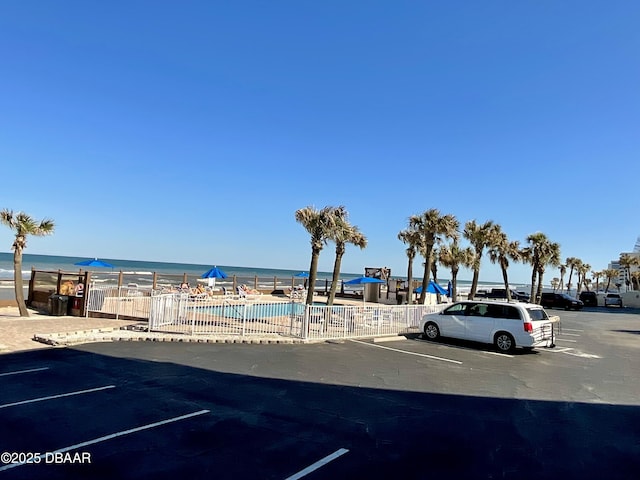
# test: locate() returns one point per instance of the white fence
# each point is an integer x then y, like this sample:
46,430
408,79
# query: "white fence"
119,301
193,315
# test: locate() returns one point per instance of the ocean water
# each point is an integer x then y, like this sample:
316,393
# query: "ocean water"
140,272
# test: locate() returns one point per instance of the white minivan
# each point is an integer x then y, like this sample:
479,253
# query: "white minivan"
506,325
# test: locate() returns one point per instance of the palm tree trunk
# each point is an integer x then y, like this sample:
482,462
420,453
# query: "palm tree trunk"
454,284
427,273
17,281
313,273
539,290
568,290
534,269
474,283
505,279
410,281
434,272
335,277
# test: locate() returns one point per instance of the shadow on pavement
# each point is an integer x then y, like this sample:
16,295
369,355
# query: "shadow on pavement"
271,428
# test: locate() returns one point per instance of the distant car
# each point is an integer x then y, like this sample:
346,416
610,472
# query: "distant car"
501,293
560,300
506,325
611,299
590,299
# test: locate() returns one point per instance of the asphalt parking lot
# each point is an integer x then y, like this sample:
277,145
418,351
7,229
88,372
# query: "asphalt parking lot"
357,409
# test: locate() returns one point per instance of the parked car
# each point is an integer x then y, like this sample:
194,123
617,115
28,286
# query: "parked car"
611,299
501,293
560,300
590,299
506,325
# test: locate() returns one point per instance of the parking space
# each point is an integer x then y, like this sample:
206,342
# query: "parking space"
337,410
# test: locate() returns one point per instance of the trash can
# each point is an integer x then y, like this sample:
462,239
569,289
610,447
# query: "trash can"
58,304
53,304
63,305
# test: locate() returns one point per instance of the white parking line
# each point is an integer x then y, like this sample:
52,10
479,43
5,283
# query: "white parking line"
565,340
318,464
570,334
505,355
24,371
573,329
574,353
109,437
52,397
410,353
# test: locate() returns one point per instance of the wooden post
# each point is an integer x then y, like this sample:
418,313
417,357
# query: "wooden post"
184,278
120,277
87,283
31,283
255,282
155,280
59,282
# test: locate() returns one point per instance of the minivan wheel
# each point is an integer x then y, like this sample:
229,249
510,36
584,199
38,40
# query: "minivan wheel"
431,331
504,342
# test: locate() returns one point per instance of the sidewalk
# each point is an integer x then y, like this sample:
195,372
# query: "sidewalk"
17,333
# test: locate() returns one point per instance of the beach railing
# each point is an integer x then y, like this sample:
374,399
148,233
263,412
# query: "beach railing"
205,315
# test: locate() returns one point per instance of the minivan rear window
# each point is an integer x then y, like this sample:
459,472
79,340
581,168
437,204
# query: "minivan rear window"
537,314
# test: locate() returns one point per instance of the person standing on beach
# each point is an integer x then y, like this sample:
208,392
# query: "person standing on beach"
23,225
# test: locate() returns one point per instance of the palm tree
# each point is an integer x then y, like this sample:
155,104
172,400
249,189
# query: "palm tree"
23,225
563,270
411,238
540,253
610,274
555,283
320,224
500,251
626,261
583,269
635,280
431,228
452,257
479,236
549,255
572,263
343,233
596,276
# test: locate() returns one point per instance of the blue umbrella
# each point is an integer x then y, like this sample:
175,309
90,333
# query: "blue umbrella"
94,263
363,280
302,275
433,287
212,274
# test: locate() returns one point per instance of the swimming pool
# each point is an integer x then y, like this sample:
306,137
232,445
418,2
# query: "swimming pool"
253,310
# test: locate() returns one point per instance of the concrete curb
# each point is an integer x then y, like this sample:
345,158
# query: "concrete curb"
130,333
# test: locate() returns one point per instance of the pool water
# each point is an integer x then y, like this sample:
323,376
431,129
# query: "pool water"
254,310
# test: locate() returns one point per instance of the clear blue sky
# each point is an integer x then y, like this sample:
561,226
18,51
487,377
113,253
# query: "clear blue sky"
192,131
